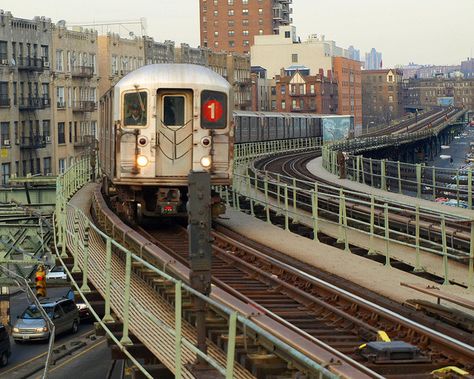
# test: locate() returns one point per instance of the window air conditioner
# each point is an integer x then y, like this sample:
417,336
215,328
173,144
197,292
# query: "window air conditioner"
6,142
48,138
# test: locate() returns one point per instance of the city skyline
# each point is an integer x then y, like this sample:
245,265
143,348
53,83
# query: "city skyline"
368,20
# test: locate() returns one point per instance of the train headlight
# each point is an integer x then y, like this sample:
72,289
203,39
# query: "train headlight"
142,161
206,162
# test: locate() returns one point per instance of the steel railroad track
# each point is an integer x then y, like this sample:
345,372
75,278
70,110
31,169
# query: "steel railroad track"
315,309
293,165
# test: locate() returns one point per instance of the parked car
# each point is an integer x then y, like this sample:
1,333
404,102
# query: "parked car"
5,348
57,273
31,325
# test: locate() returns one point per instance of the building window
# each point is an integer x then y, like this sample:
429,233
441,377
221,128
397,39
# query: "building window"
231,23
5,173
283,105
5,134
61,133
294,58
216,34
216,44
260,31
47,165
231,43
283,89
245,2
230,2
273,105
293,104
62,165
230,12
231,33
273,90
302,89
59,60
390,78
260,21
60,97
390,99
246,42
260,11
4,99
3,53
47,130
287,34
311,89
216,13
245,12
245,22
245,32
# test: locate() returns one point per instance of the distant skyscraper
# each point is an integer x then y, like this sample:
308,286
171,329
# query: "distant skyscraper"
231,25
354,54
373,60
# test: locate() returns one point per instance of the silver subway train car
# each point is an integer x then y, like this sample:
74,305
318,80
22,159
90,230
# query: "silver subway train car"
157,124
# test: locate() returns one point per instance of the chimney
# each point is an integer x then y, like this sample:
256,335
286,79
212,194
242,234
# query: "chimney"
330,75
321,72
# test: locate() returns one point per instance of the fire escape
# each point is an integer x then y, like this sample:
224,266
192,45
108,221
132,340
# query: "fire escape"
83,137
30,138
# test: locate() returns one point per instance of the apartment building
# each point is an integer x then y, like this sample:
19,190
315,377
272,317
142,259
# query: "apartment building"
118,56
422,93
25,97
297,91
75,80
382,99
347,73
238,75
158,52
231,25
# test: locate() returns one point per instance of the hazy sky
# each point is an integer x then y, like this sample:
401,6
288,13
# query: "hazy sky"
422,31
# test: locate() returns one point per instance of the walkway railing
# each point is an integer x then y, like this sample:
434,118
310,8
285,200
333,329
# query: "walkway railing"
349,210
450,185
84,231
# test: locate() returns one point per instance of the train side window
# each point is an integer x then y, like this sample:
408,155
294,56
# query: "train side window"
173,110
134,109
213,110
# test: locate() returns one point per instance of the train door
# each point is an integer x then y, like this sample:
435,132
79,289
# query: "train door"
174,132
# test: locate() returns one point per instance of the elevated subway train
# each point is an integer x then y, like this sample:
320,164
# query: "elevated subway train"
157,124
265,126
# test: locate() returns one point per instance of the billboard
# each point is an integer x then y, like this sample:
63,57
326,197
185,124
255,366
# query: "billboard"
337,128
445,101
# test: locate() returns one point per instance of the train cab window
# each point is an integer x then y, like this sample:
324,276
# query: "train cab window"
173,110
135,108
213,110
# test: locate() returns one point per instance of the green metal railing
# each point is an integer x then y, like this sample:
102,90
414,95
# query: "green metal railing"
428,182
287,197
72,223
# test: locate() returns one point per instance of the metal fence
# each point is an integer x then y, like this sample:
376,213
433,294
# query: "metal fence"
376,217
453,186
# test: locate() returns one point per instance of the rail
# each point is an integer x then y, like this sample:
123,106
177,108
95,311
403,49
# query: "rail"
74,228
273,193
418,180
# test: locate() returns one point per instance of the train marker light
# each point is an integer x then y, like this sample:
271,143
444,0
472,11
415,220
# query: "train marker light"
142,161
206,162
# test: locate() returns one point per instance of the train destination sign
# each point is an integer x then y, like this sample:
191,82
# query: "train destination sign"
213,110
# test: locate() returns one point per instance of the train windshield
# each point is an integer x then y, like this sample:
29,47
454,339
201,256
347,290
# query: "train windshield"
134,110
173,110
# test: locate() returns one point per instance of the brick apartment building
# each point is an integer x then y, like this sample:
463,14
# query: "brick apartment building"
230,25
306,94
382,99
347,73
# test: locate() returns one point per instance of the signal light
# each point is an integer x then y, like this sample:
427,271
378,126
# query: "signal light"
40,279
